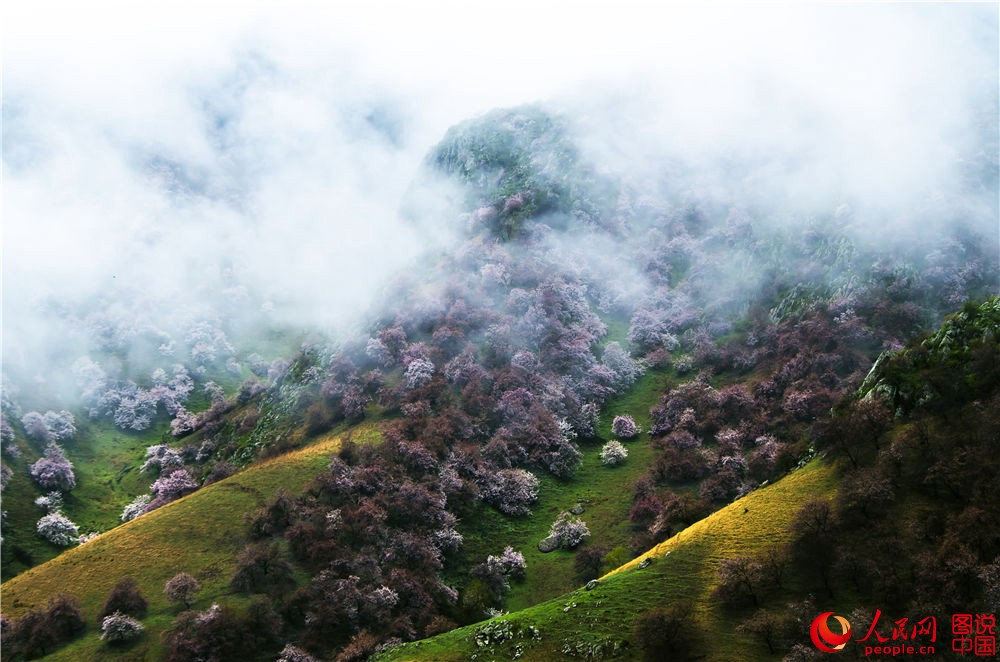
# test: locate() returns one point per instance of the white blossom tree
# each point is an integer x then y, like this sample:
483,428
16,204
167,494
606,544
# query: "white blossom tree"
58,529
568,531
511,491
613,453
118,628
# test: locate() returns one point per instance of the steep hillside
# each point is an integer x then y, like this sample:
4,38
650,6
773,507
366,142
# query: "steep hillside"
199,534
597,624
745,582
121,408
601,493
106,462
586,370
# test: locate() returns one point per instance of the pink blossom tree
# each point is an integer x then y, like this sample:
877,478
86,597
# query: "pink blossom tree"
53,471
118,628
624,427
170,487
182,588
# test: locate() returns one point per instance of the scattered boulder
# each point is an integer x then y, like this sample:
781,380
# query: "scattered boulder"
577,509
592,584
548,544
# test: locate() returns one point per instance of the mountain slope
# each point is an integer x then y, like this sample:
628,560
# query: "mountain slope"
199,534
599,622
726,337
921,476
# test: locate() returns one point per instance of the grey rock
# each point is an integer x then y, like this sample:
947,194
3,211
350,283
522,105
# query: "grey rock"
548,544
592,584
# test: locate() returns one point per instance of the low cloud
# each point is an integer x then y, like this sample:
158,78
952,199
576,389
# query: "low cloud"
173,153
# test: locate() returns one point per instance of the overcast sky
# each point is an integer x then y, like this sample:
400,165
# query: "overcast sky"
157,146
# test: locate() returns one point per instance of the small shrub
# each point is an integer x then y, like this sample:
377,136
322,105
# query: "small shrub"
273,518
477,598
666,633
616,558
124,599
587,563
319,418
439,625
51,502
260,568
220,470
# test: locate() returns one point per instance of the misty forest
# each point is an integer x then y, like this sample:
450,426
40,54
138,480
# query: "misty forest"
639,334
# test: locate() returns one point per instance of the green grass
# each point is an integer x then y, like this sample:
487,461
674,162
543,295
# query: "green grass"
606,494
202,533
617,330
199,534
106,463
685,567
20,517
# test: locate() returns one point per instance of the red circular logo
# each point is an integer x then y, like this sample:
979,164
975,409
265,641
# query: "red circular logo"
824,638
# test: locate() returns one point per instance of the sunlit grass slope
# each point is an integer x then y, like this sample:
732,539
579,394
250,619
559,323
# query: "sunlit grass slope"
199,534
683,567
